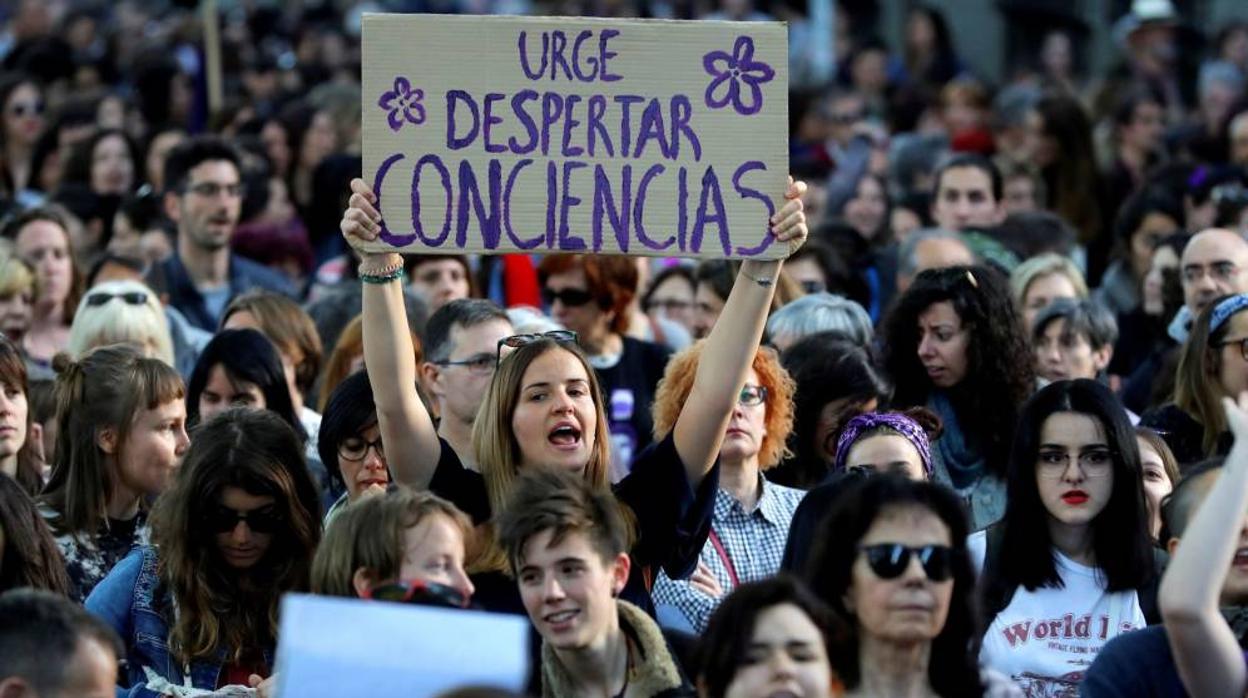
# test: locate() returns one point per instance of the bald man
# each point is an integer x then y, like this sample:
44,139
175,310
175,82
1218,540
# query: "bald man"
930,249
1214,264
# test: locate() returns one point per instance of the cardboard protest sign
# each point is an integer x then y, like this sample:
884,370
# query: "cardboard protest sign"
332,647
538,134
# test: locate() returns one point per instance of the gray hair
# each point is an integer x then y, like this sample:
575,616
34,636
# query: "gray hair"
822,312
1083,317
907,260
1220,72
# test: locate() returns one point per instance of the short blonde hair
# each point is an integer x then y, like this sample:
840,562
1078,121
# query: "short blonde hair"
16,277
1044,265
119,322
677,383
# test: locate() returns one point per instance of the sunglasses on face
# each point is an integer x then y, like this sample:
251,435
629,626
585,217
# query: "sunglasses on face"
890,560
31,109
571,297
95,300
516,341
262,520
422,593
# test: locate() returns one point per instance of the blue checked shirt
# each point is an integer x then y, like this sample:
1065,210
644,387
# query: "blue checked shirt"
753,540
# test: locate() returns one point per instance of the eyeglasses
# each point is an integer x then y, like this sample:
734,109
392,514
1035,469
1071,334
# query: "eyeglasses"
95,300
355,449
668,305
29,108
480,364
423,593
1094,462
572,297
211,190
262,520
890,560
752,395
1243,346
516,341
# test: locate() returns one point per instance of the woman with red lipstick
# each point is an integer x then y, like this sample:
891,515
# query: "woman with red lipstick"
237,531
955,345
545,408
1071,565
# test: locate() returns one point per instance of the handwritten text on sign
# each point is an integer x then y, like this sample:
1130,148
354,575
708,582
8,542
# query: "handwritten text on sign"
498,134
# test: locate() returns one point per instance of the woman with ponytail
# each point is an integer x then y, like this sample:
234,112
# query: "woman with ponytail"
122,433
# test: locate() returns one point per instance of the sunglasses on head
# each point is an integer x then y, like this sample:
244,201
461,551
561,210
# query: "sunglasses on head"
95,300
516,341
421,593
572,297
890,560
262,520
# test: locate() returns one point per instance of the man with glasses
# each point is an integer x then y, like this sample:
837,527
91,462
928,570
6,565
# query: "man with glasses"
203,198
1214,264
461,348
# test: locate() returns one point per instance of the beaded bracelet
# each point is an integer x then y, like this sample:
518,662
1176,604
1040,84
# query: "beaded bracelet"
383,278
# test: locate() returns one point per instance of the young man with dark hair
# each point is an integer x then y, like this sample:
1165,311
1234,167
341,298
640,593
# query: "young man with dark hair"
204,197
51,648
566,543
1140,664
967,195
461,350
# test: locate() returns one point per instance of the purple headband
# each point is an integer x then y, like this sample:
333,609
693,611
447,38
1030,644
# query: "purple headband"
896,421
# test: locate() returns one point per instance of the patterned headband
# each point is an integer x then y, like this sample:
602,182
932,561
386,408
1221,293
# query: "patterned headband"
896,421
1226,309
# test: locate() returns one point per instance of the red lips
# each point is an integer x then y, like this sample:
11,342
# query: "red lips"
1075,497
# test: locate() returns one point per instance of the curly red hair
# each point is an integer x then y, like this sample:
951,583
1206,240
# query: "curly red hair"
677,383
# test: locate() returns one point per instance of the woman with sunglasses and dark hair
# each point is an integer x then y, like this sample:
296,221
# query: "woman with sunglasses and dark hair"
238,530
544,407
893,565
1070,566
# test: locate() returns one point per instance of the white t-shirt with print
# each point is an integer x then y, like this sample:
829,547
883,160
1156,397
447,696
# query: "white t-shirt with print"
1046,639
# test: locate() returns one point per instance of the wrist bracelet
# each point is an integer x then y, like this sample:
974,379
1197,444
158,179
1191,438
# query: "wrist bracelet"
383,270
765,281
383,278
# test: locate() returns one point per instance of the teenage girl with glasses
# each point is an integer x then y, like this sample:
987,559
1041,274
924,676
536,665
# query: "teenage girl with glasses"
1071,565
545,408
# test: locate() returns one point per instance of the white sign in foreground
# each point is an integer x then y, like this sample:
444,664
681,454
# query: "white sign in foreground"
333,647
612,136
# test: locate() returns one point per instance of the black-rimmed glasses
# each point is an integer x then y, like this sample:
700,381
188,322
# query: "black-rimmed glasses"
1243,346
516,341
356,449
480,364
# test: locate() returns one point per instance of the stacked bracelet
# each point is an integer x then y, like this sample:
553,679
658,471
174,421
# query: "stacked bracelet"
384,277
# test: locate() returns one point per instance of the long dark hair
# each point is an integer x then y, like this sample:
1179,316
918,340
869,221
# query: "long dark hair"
31,557
13,374
722,649
999,374
246,355
1072,180
953,669
1120,534
219,610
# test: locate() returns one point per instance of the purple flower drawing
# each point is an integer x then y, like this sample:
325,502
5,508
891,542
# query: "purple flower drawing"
403,103
737,78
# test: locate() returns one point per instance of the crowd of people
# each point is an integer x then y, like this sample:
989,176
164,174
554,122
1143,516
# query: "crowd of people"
982,432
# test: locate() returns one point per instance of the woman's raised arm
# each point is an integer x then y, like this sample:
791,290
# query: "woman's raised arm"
407,430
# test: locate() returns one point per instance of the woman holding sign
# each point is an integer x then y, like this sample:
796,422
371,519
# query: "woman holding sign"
544,407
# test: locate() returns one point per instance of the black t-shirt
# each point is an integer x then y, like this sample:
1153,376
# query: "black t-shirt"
1137,664
672,521
638,372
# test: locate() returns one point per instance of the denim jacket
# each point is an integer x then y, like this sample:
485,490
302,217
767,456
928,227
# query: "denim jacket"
132,600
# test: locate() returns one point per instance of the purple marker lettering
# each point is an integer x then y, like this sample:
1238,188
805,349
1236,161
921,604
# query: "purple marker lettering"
469,192
552,194
570,123
511,233
552,108
652,127
711,195
378,181
603,54
567,241
626,102
487,108
595,127
682,111
748,193
639,209
458,96
436,162
682,208
530,126
558,42
604,203
524,58
576,58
